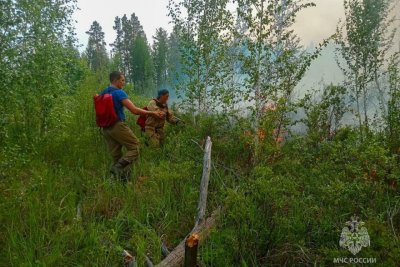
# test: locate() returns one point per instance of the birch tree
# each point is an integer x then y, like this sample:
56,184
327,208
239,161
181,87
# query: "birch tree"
363,39
204,27
273,60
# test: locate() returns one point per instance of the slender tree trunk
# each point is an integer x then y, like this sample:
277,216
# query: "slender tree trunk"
258,87
358,108
381,95
191,247
365,106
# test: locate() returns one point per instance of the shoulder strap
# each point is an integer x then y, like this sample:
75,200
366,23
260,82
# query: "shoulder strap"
109,90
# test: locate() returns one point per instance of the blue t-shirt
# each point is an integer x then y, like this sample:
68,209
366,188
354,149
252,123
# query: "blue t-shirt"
118,95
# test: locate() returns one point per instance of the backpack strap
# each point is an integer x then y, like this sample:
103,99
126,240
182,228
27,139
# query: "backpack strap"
109,90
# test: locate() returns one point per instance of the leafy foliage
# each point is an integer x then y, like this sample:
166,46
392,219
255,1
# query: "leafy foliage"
285,196
204,35
364,39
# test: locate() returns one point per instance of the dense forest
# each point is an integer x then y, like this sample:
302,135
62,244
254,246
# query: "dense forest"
288,172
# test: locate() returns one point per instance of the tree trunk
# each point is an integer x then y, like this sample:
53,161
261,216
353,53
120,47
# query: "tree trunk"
191,246
202,227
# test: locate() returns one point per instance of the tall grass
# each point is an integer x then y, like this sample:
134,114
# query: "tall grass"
288,209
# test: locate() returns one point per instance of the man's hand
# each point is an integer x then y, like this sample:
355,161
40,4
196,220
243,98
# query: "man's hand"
132,108
158,114
138,111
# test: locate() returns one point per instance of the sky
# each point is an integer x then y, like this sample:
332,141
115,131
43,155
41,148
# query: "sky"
152,15
313,24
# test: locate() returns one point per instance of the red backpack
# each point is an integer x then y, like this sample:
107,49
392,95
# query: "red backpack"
105,112
141,121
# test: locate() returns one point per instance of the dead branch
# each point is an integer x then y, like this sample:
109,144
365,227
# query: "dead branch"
164,250
201,208
129,260
176,257
149,263
202,226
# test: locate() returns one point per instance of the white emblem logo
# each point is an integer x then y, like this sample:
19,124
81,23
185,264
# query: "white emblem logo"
354,236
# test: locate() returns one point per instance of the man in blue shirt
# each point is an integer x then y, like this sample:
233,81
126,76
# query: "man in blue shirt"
119,134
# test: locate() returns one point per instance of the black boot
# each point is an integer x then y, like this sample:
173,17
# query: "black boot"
118,168
126,175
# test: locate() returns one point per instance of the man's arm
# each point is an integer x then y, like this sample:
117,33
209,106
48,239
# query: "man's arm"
171,118
138,111
152,106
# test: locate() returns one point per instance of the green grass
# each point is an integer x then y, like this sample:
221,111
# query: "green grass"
285,209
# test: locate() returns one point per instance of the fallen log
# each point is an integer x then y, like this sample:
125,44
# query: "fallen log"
176,257
202,226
